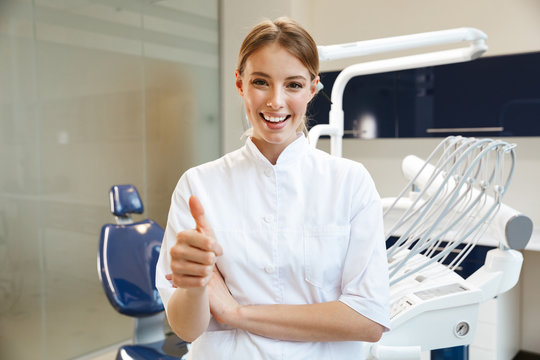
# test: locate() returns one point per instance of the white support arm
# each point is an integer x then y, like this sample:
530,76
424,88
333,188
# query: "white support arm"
335,126
396,43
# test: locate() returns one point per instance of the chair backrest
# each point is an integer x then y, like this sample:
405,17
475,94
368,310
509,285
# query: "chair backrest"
127,257
124,201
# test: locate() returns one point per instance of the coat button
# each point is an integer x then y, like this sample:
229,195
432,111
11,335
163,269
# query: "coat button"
268,219
268,172
269,269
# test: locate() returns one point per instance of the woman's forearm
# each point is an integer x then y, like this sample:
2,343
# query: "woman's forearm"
188,312
330,321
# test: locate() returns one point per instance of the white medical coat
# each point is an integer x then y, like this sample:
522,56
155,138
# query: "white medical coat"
306,230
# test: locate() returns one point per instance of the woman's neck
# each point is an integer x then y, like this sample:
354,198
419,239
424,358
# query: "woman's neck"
270,151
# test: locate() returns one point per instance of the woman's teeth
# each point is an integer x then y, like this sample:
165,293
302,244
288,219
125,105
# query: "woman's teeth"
274,119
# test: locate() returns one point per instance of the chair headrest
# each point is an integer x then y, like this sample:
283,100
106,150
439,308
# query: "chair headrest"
124,200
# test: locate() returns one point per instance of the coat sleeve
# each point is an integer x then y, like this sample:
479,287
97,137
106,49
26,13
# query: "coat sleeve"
365,283
179,219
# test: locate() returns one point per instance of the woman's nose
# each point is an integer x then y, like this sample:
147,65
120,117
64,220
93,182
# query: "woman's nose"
275,100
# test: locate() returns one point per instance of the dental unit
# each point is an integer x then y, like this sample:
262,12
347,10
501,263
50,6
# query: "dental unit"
455,202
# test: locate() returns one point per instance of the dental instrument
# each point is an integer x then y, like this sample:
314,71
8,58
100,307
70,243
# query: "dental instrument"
456,205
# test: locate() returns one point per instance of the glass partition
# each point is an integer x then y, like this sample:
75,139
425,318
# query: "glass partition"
92,93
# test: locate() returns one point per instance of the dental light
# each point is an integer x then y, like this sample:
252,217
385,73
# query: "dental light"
476,48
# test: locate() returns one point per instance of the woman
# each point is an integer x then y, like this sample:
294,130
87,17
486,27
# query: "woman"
276,250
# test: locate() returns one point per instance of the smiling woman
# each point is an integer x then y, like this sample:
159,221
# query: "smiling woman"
264,259
276,88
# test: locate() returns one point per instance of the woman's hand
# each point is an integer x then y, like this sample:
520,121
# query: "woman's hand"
195,252
222,305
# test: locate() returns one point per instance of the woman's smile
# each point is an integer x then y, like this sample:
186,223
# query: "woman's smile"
274,118
275,122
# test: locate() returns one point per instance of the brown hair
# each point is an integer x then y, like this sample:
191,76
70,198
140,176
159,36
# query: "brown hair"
288,34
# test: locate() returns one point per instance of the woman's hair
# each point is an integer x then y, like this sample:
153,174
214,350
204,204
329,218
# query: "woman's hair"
289,35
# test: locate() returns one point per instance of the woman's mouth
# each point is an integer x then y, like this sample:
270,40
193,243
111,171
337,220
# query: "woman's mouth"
274,119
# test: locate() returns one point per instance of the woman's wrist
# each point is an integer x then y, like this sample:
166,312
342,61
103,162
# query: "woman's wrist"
188,313
234,316
231,316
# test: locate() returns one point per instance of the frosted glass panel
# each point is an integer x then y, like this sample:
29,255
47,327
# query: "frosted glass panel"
21,291
92,93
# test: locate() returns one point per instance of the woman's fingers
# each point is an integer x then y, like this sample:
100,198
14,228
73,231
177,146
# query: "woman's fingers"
200,241
192,259
186,281
195,252
222,303
193,247
187,274
190,268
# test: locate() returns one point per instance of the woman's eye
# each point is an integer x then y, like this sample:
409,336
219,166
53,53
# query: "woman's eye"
259,82
295,85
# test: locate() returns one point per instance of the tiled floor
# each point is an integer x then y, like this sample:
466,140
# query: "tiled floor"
108,353
108,356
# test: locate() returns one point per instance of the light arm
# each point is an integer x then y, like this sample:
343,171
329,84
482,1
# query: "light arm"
335,127
404,42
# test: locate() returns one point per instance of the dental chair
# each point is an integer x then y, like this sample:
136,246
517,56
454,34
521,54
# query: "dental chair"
127,257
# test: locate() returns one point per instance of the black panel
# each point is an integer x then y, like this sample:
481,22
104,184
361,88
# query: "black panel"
501,93
474,260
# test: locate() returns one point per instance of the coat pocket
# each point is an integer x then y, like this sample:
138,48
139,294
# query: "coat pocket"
325,248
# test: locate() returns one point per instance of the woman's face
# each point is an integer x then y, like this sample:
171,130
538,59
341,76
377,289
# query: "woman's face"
276,88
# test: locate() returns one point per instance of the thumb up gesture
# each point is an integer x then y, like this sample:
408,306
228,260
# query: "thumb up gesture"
195,252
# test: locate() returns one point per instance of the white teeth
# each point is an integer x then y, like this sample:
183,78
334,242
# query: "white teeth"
274,119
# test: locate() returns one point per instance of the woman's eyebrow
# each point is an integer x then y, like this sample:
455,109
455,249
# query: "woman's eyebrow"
292,77
258,73
296,77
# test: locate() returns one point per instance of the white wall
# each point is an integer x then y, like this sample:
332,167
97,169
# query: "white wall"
512,27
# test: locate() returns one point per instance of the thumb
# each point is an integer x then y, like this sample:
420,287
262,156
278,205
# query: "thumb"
202,224
197,211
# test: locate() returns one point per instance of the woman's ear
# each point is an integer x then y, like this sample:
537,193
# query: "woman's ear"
313,88
239,84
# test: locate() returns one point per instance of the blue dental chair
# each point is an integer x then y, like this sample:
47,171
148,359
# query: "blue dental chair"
127,257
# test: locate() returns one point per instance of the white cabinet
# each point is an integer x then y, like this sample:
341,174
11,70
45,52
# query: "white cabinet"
498,333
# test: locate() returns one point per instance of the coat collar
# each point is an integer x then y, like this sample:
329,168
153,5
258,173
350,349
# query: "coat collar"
290,155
